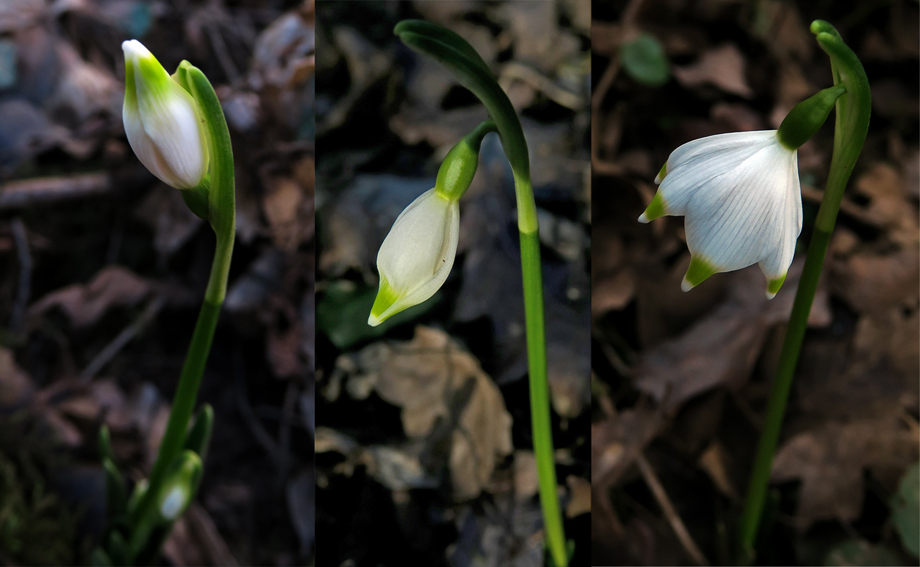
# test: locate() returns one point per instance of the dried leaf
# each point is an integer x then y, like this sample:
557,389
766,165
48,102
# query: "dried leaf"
113,286
446,400
830,459
722,66
720,348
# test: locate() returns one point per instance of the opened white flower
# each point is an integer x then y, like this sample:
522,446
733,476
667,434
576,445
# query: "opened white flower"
162,121
741,195
417,254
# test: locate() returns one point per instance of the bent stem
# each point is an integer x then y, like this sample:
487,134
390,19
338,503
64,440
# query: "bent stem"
221,216
851,126
459,57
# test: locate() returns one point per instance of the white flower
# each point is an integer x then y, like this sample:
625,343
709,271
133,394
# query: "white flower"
417,254
162,121
741,195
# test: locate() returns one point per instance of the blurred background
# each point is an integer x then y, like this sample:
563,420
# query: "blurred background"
424,453
681,379
103,269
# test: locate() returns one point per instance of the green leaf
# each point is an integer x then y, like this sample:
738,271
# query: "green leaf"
200,435
644,60
100,558
118,548
116,495
342,314
859,552
905,510
105,444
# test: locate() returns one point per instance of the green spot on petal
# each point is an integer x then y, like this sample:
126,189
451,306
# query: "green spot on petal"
697,273
662,173
774,285
386,297
655,209
156,79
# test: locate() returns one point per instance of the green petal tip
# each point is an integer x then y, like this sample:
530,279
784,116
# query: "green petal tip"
654,210
698,272
774,285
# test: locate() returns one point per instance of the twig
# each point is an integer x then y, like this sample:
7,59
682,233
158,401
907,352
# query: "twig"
648,474
17,319
223,56
242,403
284,428
123,338
48,190
543,84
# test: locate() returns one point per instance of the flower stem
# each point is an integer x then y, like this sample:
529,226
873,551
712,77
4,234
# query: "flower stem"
221,215
851,126
459,57
539,396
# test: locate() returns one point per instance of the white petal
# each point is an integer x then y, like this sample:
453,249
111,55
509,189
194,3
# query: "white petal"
172,125
777,263
700,164
742,216
418,253
163,127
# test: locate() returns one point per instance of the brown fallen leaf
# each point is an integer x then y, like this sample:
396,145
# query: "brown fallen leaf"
722,347
873,282
617,441
286,207
580,502
15,384
526,480
716,462
84,304
447,401
397,468
164,211
829,460
723,67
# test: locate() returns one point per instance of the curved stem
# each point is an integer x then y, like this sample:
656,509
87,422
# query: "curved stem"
459,57
221,215
851,126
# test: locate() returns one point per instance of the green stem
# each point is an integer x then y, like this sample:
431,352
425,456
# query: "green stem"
851,126
539,395
459,57
221,215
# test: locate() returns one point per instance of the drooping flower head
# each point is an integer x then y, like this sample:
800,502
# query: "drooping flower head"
162,121
417,254
741,195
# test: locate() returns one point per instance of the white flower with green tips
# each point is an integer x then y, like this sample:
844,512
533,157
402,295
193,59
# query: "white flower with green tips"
742,200
162,121
417,254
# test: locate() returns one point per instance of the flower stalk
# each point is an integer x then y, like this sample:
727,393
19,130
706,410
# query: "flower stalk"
471,71
175,124
851,126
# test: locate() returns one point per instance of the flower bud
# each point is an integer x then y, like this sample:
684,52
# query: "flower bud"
417,254
805,118
179,486
162,121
